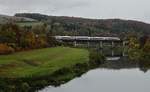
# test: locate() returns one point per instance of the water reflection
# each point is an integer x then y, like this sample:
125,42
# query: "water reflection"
102,80
117,74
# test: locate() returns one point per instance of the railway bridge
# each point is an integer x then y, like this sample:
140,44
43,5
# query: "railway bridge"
78,40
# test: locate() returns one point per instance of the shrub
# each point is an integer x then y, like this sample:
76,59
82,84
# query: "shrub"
96,57
134,54
145,57
146,47
5,49
25,87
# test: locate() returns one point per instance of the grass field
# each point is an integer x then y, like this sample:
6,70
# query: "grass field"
40,62
29,23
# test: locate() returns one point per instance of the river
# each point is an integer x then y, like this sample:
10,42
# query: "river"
117,74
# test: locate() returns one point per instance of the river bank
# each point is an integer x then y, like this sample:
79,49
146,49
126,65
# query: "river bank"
33,70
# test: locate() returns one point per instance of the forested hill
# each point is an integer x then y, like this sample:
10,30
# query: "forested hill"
99,27
5,19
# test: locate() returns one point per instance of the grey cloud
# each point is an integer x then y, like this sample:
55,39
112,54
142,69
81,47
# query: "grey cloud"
128,9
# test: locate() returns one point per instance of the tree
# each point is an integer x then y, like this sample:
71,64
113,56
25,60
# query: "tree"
5,49
133,43
20,38
7,35
146,47
30,40
143,40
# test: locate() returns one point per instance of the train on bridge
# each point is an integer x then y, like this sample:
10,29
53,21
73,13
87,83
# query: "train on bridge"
78,40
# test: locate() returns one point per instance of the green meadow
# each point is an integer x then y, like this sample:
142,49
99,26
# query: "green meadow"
22,24
40,62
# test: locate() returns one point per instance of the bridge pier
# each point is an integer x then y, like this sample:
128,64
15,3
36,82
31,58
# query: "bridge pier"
123,54
123,43
88,44
101,44
112,53
75,43
112,44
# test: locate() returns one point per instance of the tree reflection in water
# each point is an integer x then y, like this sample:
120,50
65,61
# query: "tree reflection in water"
115,61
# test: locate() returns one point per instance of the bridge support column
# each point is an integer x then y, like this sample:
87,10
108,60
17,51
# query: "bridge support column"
88,44
123,54
75,43
123,43
101,44
112,44
112,53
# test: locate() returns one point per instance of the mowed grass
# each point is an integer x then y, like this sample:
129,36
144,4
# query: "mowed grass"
40,62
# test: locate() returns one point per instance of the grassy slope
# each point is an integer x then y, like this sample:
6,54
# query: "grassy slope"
40,62
29,23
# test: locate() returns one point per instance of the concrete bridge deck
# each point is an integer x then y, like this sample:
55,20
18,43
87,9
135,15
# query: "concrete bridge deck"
86,38
76,40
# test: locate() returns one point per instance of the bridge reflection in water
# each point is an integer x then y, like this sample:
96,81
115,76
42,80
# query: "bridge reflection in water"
126,72
112,54
119,60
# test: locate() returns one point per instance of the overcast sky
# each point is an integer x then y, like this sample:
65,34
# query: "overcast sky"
101,9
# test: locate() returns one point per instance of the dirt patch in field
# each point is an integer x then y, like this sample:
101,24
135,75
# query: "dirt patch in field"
10,65
4,68
32,62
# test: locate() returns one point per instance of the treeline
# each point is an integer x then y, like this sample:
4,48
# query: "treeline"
91,27
139,49
15,38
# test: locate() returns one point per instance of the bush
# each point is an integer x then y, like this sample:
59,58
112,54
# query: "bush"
145,57
5,49
25,87
96,57
134,54
146,47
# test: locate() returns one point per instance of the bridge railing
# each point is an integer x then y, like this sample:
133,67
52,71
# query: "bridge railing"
87,38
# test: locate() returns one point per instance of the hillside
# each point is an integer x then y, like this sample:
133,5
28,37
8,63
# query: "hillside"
5,19
94,27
